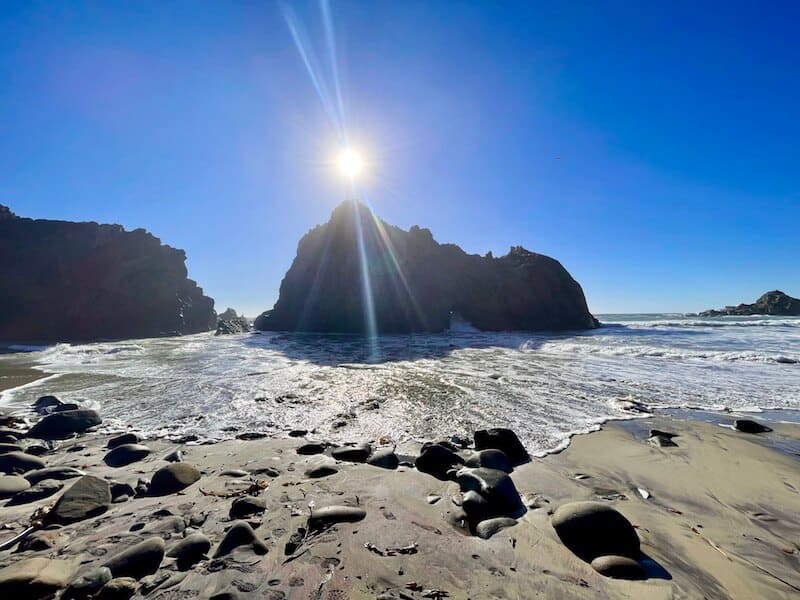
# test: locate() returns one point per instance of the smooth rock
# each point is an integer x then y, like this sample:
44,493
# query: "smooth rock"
122,489
126,454
235,473
119,588
88,584
329,515
491,459
173,478
321,471
502,439
165,526
750,426
359,453
246,506
437,460
35,578
190,549
661,441
384,458
65,406
59,473
476,507
666,434
618,567
12,484
39,540
494,485
88,497
486,529
311,448
63,424
125,438
19,462
38,491
592,529
9,447
45,404
139,560
298,433
228,595
174,456
240,534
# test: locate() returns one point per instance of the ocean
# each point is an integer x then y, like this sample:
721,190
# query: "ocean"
545,386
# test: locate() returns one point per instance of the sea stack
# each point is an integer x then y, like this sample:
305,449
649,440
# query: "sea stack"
416,284
65,281
774,303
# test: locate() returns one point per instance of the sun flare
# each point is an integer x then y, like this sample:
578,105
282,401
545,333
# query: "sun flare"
350,163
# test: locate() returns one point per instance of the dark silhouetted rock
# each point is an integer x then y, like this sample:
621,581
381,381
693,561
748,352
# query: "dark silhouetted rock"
125,455
749,426
63,424
35,578
772,303
592,529
229,322
88,584
125,438
330,515
173,478
84,281
19,462
240,534
358,453
504,440
311,448
65,407
618,567
520,291
491,459
384,458
88,497
438,461
495,486
139,560
174,456
46,404
662,441
247,506
321,471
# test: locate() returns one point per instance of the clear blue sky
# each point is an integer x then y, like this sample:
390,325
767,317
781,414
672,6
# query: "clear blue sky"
653,148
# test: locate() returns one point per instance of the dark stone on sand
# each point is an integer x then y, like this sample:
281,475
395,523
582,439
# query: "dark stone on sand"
750,426
45,404
59,473
502,439
126,454
234,473
486,529
384,458
88,497
240,534
173,478
174,456
34,578
618,567
9,447
592,529
11,485
190,550
246,506
122,489
476,507
63,424
438,461
87,584
661,441
139,560
666,434
491,459
494,485
225,596
330,515
19,462
125,438
295,433
358,453
311,448
251,435
321,471
42,489
119,588
36,449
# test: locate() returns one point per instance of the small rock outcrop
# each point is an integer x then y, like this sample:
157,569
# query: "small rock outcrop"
65,281
229,322
416,284
774,303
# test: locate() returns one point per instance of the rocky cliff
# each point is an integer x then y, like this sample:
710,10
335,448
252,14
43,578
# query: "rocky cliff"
416,283
64,281
771,303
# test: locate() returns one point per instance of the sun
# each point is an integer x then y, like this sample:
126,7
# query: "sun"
350,163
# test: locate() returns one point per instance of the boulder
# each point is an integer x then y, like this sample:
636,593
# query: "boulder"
322,518
46,404
139,560
750,426
63,424
65,406
35,578
12,484
119,588
491,459
190,550
592,529
311,448
771,303
246,506
502,439
38,491
119,489
438,461
125,454
486,529
384,458
125,438
19,462
88,497
321,471
240,534
87,584
358,453
59,473
619,567
173,478
495,486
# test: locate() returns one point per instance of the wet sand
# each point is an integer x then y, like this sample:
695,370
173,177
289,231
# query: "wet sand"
15,376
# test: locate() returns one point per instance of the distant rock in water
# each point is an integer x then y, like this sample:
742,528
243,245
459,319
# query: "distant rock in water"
772,303
416,283
230,322
65,281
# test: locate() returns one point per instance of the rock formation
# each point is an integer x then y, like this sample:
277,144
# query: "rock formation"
229,322
772,303
416,284
65,281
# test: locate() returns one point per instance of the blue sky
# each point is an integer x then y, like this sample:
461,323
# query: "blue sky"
654,150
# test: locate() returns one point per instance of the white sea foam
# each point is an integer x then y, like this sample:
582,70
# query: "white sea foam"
545,387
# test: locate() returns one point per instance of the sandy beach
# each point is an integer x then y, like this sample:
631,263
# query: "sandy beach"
715,515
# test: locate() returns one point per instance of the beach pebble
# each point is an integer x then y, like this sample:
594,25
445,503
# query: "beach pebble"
321,471
384,458
46,404
11,485
87,584
190,550
63,424
311,448
174,456
592,529
246,506
9,447
173,478
486,529
298,433
88,497
438,461
125,438
618,567
234,473
35,578
41,489
750,426
59,473
139,560
126,454
495,486
19,462
240,534
329,515
122,489
491,459
502,439
358,453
